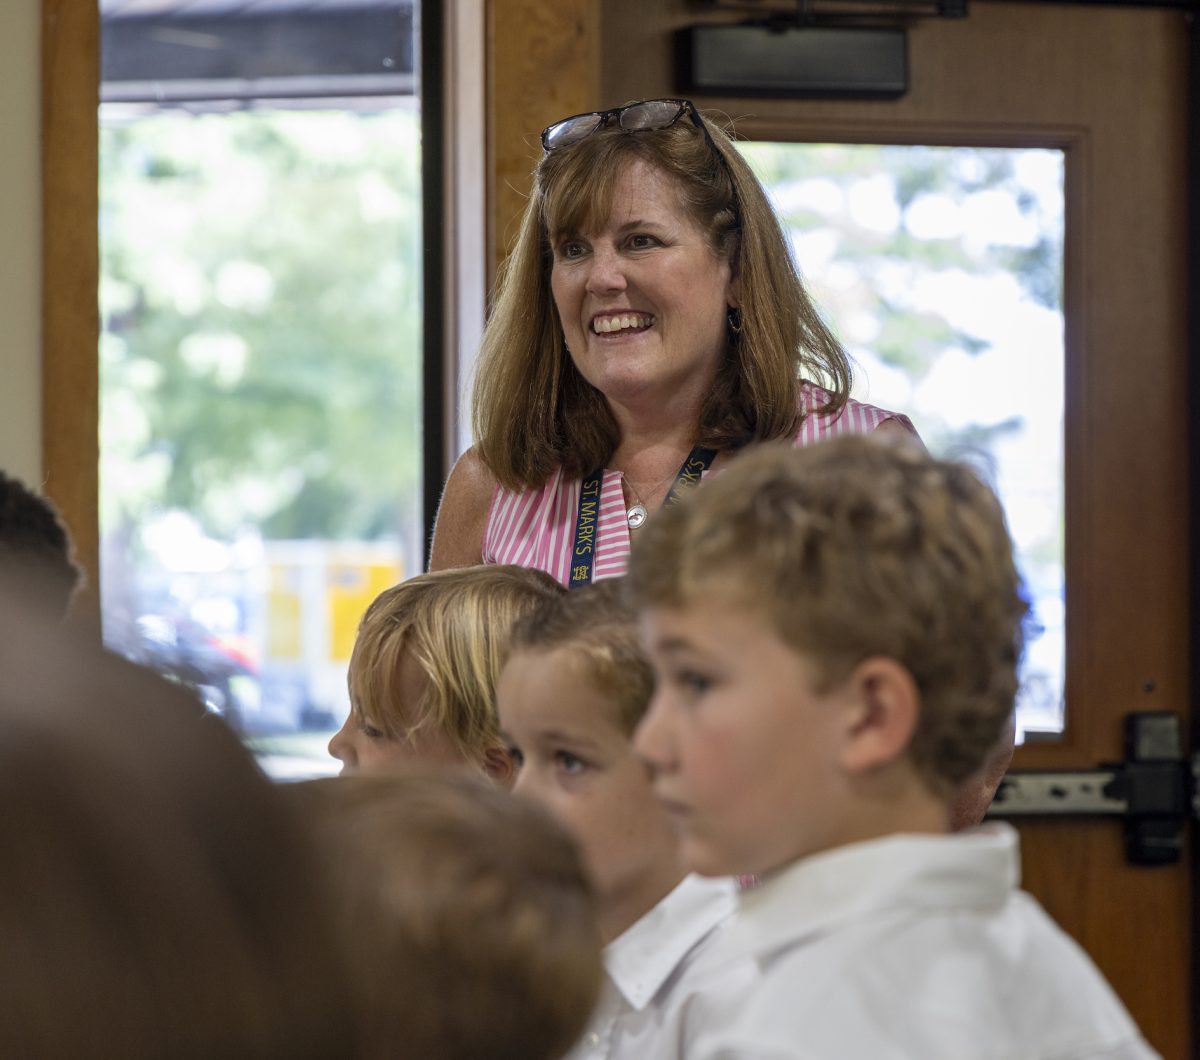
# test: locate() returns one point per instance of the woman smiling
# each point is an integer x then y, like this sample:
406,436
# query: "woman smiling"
649,324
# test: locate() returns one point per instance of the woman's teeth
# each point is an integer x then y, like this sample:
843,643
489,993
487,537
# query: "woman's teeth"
607,325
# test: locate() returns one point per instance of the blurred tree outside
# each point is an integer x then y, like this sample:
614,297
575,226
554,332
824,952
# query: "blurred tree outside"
260,360
261,296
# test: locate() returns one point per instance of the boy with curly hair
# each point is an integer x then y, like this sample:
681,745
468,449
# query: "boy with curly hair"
835,633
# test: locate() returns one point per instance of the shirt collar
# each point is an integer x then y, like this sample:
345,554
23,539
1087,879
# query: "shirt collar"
642,958
977,869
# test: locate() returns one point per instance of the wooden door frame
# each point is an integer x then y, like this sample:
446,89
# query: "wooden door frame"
70,86
1193,427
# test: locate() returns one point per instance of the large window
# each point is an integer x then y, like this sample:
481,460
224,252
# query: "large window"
260,362
941,270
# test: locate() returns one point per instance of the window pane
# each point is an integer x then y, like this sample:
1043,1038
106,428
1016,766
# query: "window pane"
941,270
260,397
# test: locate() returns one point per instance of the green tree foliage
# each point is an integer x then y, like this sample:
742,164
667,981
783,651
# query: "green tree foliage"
261,293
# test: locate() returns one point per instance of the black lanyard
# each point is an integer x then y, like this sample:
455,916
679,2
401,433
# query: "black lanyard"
583,551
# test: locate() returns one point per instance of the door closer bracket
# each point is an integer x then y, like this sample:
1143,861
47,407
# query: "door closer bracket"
1154,790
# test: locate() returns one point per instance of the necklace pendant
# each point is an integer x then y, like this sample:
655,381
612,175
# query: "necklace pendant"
636,515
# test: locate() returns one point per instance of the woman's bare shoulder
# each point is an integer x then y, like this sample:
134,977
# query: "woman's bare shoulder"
462,514
897,427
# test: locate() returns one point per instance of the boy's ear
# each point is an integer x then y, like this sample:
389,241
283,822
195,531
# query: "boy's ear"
885,707
498,765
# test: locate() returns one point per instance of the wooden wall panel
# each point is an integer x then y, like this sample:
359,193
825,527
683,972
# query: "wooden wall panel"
544,65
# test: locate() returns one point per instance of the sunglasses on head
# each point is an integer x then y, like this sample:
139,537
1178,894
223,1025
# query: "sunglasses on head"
647,115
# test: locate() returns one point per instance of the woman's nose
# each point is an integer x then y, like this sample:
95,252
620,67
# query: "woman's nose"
341,746
607,272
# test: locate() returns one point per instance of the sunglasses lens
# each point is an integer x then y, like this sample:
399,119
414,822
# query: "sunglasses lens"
653,114
571,131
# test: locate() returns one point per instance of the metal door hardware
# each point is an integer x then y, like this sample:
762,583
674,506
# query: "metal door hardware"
1154,790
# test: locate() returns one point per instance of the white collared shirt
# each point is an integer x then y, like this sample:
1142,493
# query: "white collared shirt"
915,947
664,986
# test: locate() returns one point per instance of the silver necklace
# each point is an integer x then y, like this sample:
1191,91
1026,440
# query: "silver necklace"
637,514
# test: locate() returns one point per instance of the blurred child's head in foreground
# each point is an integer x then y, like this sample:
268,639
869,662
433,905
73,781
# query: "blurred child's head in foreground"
35,549
157,896
423,672
835,633
574,687
470,924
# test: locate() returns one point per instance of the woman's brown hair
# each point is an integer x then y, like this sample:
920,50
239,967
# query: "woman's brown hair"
532,409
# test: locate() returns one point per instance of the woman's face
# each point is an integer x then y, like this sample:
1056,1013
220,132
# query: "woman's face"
643,301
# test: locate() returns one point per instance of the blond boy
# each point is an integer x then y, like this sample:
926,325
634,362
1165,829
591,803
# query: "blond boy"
569,698
835,632
469,923
422,675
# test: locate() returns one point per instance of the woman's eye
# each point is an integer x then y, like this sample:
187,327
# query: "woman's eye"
370,731
568,762
517,756
571,250
642,242
694,683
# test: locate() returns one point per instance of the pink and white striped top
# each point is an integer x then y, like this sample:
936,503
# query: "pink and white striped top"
536,527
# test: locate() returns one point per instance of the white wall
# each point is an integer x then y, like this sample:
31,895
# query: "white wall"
20,240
